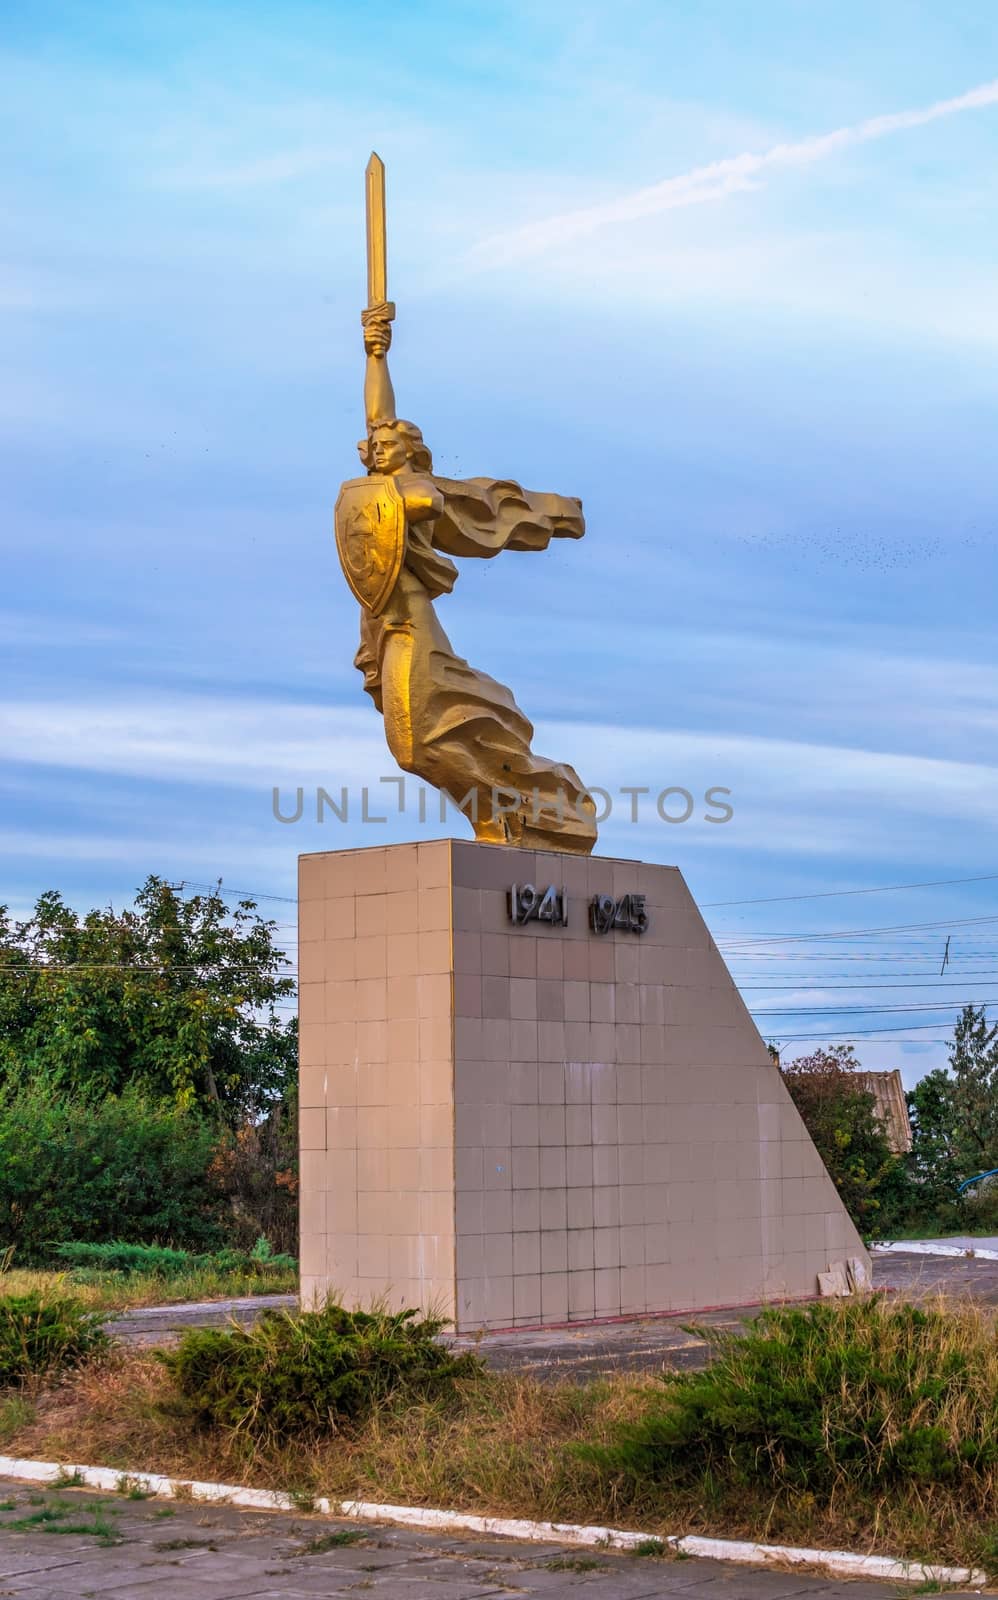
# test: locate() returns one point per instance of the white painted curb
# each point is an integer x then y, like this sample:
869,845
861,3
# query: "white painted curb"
843,1563
929,1247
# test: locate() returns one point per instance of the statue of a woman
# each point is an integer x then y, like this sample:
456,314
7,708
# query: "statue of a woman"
449,724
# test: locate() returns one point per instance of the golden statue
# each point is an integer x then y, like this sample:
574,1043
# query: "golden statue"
450,725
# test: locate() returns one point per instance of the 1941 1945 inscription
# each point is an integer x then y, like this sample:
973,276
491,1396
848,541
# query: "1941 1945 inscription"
526,903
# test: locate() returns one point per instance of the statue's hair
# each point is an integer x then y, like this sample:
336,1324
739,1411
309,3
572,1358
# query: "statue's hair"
416,450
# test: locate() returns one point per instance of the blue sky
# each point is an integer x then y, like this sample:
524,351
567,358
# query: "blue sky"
629,265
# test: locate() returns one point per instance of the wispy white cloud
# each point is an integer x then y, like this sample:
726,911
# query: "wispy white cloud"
197,740
817,799
720,179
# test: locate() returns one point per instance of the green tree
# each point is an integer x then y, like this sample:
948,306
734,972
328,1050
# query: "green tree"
934,1162
177,995
974,1063
841,1118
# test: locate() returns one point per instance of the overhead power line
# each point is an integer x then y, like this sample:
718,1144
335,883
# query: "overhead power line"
834,894
865,1011
869,1033
879,957
816,983
240,894
737,939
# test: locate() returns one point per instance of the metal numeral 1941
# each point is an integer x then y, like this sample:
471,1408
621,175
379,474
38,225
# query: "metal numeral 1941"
628,912
527,904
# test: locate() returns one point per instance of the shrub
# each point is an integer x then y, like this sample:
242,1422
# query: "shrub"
125,1166
262,1259
295,1376
120,1257
153,1260
40,1336
865,1395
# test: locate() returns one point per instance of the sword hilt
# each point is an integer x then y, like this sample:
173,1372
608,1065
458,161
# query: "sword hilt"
376,321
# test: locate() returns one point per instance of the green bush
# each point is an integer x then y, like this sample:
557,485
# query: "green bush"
865,1395
295,1376
40,1336
118,1256
125,1166
153,1260
262,1259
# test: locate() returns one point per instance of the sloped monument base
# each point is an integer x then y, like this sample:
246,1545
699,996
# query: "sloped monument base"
519,1123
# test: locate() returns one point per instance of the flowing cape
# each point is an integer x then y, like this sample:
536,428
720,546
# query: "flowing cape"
482,516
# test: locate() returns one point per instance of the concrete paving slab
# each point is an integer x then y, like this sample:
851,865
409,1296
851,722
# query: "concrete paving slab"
245,1555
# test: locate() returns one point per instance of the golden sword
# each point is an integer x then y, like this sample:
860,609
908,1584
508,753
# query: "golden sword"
377,248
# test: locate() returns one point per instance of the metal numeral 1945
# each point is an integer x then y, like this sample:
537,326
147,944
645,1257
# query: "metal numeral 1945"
527,904
628,912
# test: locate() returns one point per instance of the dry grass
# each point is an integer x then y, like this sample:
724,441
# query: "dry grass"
501,1446
506,1449
122,1293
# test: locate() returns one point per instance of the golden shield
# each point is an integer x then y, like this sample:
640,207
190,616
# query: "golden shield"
370,538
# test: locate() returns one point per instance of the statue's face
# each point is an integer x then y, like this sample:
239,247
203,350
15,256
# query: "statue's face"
388,450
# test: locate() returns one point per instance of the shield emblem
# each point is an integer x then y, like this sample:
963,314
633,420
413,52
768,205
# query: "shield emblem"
370,538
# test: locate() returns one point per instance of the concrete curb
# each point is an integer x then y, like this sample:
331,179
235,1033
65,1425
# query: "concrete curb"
842,1563
929,1247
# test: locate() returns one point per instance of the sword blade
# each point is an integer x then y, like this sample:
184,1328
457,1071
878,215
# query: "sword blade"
377,251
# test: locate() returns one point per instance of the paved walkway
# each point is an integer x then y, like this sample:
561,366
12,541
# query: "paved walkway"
159,1325
69,1544
918,1277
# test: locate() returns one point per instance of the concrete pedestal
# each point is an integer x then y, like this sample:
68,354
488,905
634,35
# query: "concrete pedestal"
527,1122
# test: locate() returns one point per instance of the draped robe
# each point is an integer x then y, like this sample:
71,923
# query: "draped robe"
447,722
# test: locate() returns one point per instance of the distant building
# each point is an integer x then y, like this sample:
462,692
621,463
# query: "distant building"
890,1106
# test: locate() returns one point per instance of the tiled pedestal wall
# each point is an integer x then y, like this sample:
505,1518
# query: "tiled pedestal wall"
538,1124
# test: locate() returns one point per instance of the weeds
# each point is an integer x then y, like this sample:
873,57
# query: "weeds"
131,1489
39,1336
332,1541
54,1517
